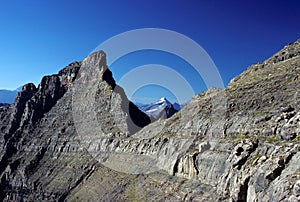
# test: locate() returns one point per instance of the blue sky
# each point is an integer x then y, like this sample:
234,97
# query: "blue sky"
41,37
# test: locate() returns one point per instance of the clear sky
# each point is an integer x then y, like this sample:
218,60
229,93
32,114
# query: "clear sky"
41,37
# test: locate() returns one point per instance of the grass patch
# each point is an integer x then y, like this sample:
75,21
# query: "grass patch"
296,139
272,139
260,114
239,137
255,158
132,194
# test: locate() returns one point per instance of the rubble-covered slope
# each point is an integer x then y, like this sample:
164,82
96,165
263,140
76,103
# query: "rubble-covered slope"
235,144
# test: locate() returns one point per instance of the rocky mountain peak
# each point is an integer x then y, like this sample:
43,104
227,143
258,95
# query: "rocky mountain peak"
95,91
161,109
29,88
288,53
76,137
68,74
163,99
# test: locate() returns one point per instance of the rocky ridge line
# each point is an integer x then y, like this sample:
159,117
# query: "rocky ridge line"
236,144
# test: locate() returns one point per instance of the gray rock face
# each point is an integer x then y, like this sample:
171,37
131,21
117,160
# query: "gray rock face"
76,137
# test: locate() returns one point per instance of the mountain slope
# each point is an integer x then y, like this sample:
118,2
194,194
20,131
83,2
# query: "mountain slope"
163,108
77,138
39,142
8,96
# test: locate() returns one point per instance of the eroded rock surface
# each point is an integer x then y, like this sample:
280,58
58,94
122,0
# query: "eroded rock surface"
76,137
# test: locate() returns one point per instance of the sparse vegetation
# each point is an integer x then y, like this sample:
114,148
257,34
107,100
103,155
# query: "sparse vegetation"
132,192
296,139
272,139
254,159
239,137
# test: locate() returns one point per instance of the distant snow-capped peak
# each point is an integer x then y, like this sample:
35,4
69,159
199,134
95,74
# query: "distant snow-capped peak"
163,100
161,108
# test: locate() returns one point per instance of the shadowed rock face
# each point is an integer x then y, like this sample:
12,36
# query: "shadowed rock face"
98,99
240,143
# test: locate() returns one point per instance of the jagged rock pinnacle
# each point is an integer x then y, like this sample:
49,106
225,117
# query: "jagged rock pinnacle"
76,137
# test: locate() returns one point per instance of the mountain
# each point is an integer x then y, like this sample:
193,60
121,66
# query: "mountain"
8,96
178,106
163,108
4,105
76,137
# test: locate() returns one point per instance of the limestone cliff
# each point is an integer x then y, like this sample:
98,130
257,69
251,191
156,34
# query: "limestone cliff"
76,137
